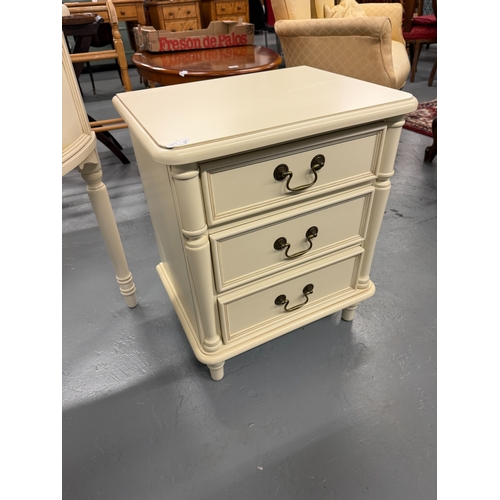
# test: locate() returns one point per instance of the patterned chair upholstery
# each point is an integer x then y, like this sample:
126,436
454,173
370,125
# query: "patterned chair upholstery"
369,48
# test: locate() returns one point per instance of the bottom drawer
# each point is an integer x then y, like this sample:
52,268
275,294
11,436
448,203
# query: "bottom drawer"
282,299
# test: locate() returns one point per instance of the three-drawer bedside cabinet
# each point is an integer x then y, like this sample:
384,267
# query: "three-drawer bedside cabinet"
266,209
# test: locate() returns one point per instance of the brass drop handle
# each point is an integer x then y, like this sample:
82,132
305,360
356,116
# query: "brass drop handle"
281,243
281,172
281,300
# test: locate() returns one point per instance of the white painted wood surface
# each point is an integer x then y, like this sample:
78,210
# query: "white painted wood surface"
79,151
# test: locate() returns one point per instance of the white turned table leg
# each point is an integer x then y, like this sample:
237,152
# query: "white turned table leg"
101,204
217,370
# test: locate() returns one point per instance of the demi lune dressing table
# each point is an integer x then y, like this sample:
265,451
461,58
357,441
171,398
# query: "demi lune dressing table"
266,194
79,151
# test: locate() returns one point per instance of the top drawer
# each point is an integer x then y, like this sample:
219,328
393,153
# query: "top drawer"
179,11
226,8
245,185
125,12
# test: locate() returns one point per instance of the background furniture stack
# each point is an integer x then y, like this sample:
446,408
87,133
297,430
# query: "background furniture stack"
82,54
419,29
224,10
174,15
131,12
107,11
187,15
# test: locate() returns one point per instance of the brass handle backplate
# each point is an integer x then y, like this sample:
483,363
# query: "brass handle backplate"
281,243
281,300
282,172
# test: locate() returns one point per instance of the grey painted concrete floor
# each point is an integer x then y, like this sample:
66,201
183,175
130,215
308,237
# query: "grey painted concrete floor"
334,410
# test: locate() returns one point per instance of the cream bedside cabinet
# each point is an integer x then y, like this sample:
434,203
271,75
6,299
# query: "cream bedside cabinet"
266,209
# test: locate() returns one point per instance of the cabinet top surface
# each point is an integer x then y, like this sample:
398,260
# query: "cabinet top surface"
202,120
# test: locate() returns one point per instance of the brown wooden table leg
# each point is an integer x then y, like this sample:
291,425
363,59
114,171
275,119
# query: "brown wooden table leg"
431,151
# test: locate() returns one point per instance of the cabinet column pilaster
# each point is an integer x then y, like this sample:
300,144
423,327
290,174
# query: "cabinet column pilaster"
381,195
197,248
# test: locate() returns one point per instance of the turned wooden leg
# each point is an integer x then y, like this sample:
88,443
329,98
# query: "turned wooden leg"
431,151
348,312
99,198
432,74
217,370
414,61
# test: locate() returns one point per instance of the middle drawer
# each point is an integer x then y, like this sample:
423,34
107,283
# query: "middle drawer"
248,252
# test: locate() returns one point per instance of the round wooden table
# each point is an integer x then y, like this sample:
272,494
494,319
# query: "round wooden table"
171,68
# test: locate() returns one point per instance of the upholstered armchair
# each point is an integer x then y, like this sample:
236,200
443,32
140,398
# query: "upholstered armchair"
370,47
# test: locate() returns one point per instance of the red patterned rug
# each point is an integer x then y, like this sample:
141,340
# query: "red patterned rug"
421,120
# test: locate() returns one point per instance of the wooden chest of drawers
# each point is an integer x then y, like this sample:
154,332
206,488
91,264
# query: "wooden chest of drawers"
224,10
174,15
126,10
265,222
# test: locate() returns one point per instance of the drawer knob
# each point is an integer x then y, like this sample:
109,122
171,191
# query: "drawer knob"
281,172
282,243
281,300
